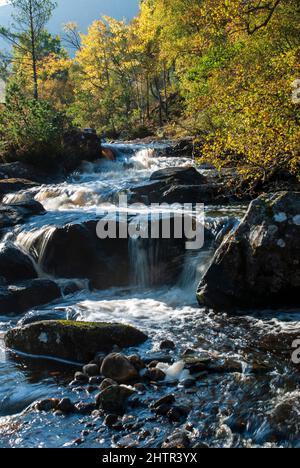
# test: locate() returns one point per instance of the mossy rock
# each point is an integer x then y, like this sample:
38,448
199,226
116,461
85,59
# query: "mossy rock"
71,340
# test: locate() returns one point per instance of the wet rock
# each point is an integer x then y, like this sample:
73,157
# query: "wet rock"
85,408
153,364
21,297
181,148
66,406
117,367
18,213
188,383
137,362
15,185
81,377
139,387
158,357
75,341
99,358
47,405
155,374
111,420
107,383
188,352
114,399
176,414
19,170
96,380
162,410
180,175
167,344
178,440
15,265
258,265
166,400
179,185
91,370
75,251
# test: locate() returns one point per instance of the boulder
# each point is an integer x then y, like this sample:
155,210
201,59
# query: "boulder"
258,264
15,265
180,185
117,367
15,185
75,251
18,213
21,297
19,170
183,148
180,175
74,341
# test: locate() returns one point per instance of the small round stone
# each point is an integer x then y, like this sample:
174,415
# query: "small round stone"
110,420
167,344
91,370
81,377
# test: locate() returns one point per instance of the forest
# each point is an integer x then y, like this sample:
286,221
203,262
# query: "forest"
225,72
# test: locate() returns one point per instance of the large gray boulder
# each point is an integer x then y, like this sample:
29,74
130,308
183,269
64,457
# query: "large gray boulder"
74,341
258,265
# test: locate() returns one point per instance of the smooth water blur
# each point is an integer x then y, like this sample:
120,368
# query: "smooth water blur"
253,400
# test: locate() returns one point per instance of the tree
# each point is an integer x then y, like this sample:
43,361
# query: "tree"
30,18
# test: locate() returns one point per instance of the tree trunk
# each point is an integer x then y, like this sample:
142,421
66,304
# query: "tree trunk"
33,54
166,92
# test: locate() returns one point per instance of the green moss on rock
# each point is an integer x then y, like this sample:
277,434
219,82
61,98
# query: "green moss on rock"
71,340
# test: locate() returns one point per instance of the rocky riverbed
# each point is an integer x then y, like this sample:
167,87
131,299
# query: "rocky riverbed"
103,341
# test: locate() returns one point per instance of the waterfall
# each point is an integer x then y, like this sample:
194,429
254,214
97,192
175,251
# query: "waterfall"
35,243
144,262
195,266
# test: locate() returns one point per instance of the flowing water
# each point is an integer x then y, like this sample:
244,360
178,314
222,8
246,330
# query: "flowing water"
250,397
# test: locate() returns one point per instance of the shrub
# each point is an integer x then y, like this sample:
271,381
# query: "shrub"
30,131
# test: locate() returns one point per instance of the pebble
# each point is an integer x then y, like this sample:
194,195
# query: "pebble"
107,383
188,383
110,420
96,380
166,400
167,344
91,370
47,405
153,364
136,360
66,406
81,377
163,409
155,374
177,440
85,408
91,389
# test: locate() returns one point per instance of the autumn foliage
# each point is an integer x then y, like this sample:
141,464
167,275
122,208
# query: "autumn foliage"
221,71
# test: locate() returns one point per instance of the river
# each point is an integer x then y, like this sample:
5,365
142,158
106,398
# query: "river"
251,400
